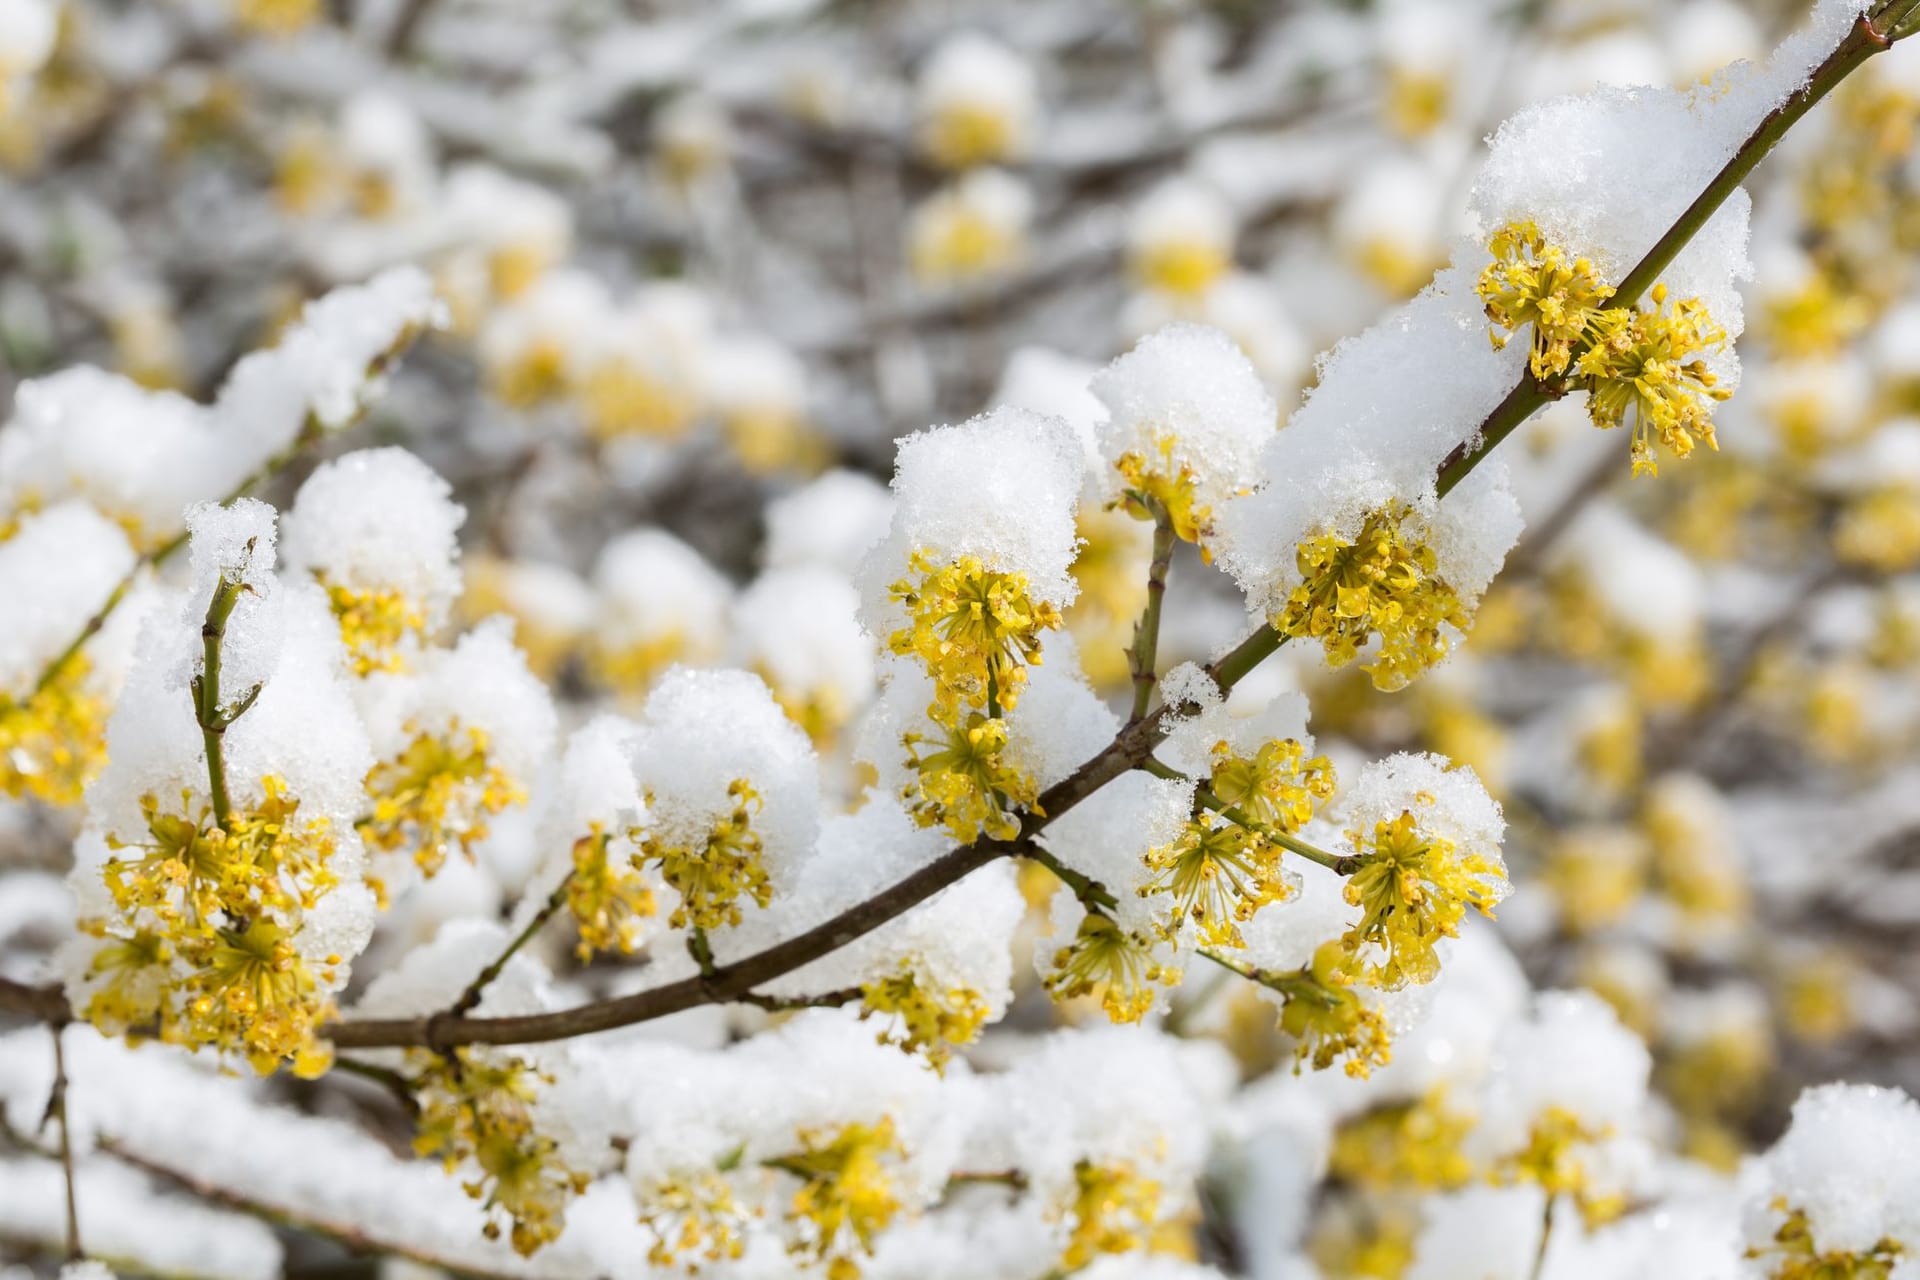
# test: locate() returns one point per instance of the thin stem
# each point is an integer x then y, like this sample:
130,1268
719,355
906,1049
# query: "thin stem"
1339,864
214,720
57,1109
701,950
470,998
392,1081
1146,632
1245,656
1093,895
1546,1238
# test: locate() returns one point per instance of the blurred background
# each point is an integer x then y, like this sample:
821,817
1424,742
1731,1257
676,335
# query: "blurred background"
707,260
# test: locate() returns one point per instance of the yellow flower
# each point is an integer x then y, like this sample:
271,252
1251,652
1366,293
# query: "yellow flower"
1277,786
438,792
1530,281
924,1018
374,624
1880,531
276,17
1646,365
1115,1208
607,899
53,741
1384,582
1793,1256
1418,1144
225,902
691,1216
476,1107
728,864
1217,876
1184,268
1596,875
622,398
963,135
1413,888
138,994
1329,1021
251,992
847,1196
1106,961
976,631
1555,1159
967,785
1168,485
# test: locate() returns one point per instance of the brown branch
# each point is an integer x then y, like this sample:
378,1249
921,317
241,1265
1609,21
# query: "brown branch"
42,1004
352,1238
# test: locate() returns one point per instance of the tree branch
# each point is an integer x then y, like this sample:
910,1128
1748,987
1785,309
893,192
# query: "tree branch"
1146,632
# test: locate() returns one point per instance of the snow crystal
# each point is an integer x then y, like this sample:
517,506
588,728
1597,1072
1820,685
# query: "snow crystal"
702,730
379,520
1850,1161
1192,389
55,571
1001,487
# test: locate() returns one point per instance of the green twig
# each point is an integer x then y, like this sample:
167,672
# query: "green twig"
470,998
1339,864
1093,895
1145,652
214,719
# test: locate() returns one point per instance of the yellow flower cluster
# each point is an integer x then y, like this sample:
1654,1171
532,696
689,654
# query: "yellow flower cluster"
1106,961
923,1017
1880,531
436,793
1327,1019
1384,582
728,863
374,625
1530,281
1647,364
1218,873
1184,268
963,135
1168,486
1793,1255
606,897
846,1196
225,901
276,17
632,667
1554,1159
694,1216
1115,1210
1632,362
53,741
1413,888
477,1106
1418,1144
975,630
967,785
